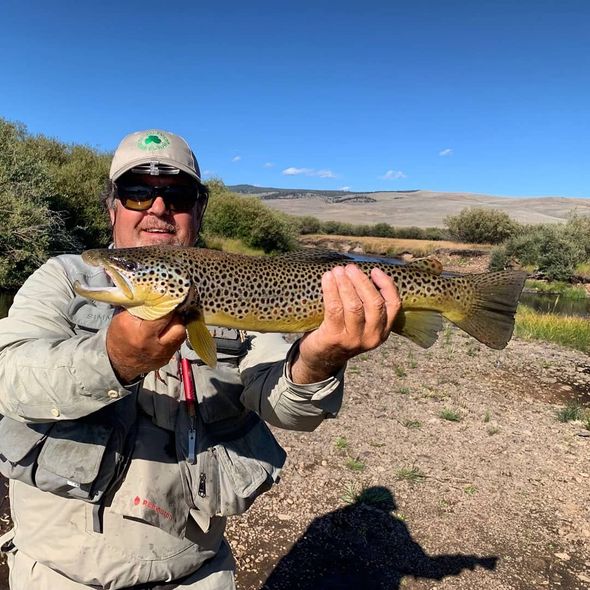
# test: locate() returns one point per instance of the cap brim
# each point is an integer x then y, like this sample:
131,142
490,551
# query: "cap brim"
139,161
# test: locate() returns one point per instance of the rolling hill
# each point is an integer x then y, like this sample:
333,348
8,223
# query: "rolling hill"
419,208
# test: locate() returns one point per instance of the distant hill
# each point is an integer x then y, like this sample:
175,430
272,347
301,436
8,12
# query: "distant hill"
409,208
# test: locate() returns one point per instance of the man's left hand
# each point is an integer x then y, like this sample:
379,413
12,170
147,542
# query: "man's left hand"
358,316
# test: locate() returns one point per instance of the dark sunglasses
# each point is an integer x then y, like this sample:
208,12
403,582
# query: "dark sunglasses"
177,197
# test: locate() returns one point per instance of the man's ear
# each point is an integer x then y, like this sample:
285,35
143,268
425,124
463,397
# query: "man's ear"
199,212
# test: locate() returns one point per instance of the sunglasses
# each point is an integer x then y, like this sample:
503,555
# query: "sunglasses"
177,197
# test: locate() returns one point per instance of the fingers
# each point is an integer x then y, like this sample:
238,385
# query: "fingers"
173,332
362,309
136,346
389,293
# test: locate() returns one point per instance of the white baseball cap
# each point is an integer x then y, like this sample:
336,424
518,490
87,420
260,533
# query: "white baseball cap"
154,152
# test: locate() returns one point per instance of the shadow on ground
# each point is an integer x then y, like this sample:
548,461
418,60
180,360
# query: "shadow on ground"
363,546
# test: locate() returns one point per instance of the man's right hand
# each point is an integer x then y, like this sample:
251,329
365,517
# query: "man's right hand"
137,346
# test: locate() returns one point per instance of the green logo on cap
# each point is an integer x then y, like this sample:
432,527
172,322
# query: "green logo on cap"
153,141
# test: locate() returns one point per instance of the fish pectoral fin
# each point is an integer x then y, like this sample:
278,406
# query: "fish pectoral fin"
153,312
421,327
431,265
202,341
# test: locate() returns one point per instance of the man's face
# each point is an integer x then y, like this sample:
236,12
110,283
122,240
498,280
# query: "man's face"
157,225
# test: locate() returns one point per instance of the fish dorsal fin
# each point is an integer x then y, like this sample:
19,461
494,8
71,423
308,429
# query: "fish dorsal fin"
431,265
421,327
202,341
315,255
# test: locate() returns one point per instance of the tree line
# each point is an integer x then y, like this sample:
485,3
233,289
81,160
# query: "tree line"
50,203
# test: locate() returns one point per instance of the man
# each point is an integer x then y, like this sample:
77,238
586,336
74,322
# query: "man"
118,478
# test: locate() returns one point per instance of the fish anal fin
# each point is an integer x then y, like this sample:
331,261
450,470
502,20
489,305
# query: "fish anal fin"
431,265
202,341
421,327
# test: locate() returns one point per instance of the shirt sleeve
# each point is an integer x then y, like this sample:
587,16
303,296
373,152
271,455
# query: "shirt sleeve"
49,372
269,390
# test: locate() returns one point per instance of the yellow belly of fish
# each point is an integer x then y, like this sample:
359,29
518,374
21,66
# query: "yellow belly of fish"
252,322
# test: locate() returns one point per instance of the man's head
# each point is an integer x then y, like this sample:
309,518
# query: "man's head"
155,195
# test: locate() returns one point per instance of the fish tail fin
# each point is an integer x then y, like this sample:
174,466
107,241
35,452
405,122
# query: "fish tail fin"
490,315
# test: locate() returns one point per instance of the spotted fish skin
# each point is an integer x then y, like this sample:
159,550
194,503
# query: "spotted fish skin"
283,293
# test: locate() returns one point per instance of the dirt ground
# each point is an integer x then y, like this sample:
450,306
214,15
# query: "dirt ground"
391,494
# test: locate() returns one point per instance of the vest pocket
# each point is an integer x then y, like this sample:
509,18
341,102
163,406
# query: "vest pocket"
228,476
20,445
74,461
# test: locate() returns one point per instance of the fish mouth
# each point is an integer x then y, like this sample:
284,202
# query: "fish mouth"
122,284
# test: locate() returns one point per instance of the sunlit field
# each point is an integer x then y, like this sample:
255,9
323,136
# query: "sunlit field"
394,246
572,332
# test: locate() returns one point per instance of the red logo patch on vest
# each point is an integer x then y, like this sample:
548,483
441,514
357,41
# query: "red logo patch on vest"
149,505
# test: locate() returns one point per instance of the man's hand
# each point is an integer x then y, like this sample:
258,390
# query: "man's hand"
138,346
359,314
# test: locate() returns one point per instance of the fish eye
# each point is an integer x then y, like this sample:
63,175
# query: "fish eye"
125,264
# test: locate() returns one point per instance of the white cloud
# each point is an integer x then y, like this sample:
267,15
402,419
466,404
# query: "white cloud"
324,173
344,188
268,165
292,171
236,158
208,172
393,175
446,152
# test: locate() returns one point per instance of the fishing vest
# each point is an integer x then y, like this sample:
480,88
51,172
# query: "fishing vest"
237,457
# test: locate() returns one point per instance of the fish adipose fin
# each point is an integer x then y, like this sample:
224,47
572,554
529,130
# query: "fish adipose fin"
490,318
421,327
202,341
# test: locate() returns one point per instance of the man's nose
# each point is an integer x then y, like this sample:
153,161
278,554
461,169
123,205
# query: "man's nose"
159,206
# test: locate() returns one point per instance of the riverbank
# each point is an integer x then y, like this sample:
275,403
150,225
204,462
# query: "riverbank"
473,481
480,486
491,490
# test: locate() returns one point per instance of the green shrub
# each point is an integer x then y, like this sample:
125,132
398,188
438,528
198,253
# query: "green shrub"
308,225
480,225
553,249
577,228
247,219
559,257
498,258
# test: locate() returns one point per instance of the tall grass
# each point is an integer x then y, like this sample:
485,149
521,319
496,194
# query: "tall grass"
233,245
572,332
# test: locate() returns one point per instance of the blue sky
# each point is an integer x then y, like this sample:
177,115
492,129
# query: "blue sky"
487,96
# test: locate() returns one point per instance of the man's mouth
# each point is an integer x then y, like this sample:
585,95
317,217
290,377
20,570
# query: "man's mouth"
159,230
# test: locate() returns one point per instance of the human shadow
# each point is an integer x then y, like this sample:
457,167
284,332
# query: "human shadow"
363,546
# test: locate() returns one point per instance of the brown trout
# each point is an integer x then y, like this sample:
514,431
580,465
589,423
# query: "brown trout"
283,293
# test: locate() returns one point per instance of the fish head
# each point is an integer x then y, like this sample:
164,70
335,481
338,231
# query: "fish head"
149,281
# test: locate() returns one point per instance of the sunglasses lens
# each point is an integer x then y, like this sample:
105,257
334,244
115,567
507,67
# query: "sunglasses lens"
180,198
140,198
137,198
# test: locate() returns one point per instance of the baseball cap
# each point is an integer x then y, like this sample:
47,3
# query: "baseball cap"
154,152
